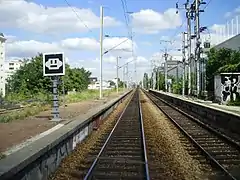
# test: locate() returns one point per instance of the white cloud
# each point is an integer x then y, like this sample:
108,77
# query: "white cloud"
91,69
10,38
32,47
110,59
231,13
216,27
38,18
138,59
227,14
76,62
216,34
80,43
146,43
109,43
151,22
237,10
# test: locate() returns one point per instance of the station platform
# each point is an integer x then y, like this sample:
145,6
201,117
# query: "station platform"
224,108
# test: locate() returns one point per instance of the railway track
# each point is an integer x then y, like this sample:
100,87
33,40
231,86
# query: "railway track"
9,110
123,154
222,153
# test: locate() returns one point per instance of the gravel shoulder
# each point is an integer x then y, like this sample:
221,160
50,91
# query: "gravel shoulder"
18,131
71,166
163,143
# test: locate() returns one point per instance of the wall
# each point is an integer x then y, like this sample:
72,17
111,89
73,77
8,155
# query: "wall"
232,43
227,87
226,120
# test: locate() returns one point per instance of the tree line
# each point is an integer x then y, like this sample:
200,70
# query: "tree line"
28,80
218,61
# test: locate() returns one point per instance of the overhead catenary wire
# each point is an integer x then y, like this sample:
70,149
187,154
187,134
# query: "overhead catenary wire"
207,4
115,46
86,26
73,9
129,29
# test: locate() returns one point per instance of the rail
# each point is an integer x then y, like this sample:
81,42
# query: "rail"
226,153
125,145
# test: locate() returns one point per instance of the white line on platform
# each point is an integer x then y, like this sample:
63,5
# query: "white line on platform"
30,140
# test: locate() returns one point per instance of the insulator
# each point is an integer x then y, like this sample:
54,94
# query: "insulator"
206,44
176,5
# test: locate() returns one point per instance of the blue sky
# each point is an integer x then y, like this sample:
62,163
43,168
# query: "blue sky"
43,25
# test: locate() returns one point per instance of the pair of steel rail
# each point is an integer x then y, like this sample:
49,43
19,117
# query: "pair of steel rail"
124,154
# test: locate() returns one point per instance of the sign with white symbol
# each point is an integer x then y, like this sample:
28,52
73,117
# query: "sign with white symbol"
53,64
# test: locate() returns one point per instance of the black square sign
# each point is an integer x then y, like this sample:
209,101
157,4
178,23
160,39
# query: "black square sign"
53,64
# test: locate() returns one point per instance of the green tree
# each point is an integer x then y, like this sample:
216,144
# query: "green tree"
120,83
219,61
161,81
29,79
111,83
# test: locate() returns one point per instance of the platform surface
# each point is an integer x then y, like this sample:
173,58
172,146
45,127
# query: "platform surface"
232,109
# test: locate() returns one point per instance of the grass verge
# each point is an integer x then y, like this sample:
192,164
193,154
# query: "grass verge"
88,95
23,113
38,107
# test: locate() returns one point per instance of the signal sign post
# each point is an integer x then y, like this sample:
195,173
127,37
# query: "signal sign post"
54,66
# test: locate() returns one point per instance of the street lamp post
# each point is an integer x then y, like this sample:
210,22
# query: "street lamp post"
101,50
117,74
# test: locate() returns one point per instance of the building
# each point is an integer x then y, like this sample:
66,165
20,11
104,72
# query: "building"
232,43
2,61
12,66
96,85
92,80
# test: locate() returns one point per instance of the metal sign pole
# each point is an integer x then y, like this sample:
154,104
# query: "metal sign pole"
55,110
54,66
64,102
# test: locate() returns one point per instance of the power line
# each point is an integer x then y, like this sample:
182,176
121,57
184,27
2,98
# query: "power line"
77,15
125,11
115,46
207,4
130,33
177,30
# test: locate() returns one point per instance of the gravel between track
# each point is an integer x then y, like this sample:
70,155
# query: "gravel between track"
70,165
162,139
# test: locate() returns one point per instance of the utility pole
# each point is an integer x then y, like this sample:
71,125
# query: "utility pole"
101,50
127,76
165,55
198,43
124,78
189,11
198,29
158,79
189,45
135,70
165,69
183,60
117,74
